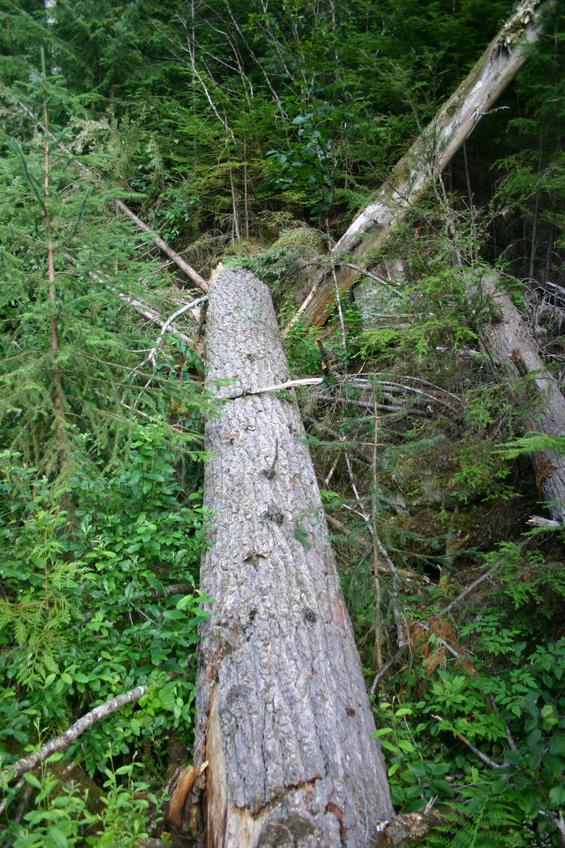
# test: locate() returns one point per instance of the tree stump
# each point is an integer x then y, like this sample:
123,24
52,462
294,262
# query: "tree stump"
283,716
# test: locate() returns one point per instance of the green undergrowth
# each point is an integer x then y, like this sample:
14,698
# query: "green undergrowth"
100,595
256,132
470,712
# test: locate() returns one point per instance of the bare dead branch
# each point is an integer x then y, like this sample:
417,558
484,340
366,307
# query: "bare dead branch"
59,743
478,753
164,247
466,591
152,314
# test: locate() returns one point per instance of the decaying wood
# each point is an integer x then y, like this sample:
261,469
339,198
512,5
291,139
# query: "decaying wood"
407,829
58,743
538,521
283,716
181,787
509,343
426,159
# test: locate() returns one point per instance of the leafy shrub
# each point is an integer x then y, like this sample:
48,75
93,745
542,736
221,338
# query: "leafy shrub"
87,610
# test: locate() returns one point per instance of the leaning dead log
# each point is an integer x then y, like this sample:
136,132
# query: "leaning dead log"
426,159
283,716
509,343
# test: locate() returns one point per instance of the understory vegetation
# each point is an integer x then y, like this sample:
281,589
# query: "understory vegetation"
251,133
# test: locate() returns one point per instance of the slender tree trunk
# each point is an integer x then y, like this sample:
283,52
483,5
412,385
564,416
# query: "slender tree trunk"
57,390
508,342
428,156
283,716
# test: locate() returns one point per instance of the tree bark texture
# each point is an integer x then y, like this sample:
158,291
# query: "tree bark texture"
427,157
283,717
509,342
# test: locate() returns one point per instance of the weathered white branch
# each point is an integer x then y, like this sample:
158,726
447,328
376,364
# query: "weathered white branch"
427,157
166,327
155,317
73,732
538,521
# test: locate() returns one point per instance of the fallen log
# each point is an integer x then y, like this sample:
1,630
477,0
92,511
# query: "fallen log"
425,160
283,716
509,343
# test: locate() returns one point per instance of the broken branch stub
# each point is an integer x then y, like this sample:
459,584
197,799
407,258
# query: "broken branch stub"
426,158
283,716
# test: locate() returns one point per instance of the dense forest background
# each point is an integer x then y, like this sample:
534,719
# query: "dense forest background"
251,133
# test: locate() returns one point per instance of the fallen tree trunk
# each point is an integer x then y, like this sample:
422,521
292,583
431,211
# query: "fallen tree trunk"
509,343
283,716
426,159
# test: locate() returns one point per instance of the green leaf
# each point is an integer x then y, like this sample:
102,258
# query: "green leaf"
406,746
185,601
557,795
58,837
557,744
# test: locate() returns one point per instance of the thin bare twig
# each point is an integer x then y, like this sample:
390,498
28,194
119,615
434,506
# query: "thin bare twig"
290,384
466,591
168,323
151,314
376,549
478,753
382,671
153,352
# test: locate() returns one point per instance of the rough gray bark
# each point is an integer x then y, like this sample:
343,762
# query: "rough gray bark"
427,157
508,342
283,716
